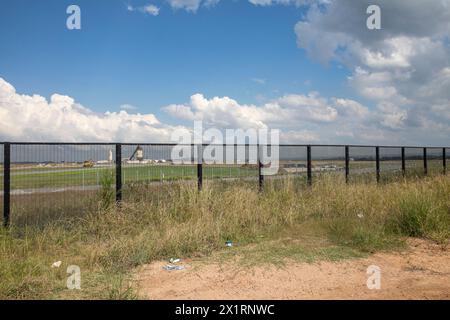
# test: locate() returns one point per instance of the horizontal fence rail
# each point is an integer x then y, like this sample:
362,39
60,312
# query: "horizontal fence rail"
71,177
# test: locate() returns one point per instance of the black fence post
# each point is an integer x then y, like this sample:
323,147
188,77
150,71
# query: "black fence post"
425,161
309,164
6,183
347,164
260,168
377,160
118,173
403,162
200,167
444,161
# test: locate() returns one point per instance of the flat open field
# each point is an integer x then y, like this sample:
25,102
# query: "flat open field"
31,178
58,177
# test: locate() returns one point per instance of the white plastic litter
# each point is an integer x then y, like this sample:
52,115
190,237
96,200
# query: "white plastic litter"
171,267
360,216
173,260
56,264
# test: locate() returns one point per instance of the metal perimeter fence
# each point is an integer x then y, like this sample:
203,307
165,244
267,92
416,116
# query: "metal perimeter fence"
66,179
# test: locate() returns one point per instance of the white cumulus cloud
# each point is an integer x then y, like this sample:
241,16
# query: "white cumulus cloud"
33,118
289,111
300,118
402,68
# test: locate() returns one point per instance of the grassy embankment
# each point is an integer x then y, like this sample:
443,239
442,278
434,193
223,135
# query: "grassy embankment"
330,220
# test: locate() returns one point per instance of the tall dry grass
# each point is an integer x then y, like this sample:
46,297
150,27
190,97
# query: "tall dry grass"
109,242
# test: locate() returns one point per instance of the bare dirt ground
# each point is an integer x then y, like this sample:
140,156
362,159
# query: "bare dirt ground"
420,272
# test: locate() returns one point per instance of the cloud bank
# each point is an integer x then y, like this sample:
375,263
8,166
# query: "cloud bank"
404,68
33,118
300,118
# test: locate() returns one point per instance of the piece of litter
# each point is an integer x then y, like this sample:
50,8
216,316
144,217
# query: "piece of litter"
360,216
56,264
171,267
229,243
173,260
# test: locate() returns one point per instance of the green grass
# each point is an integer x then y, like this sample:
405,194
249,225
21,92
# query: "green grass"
68,177
288,221
304,242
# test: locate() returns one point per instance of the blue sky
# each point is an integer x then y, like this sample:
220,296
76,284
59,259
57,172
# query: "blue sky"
122,57
308,67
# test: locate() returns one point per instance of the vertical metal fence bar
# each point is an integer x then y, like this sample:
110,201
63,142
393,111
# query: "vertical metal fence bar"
403,162
347,164
199,167
425,161
377,159
6,183
118,173
260,167
309,164
444,162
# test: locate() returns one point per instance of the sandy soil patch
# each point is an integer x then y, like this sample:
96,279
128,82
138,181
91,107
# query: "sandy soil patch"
420,272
